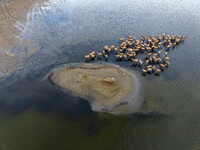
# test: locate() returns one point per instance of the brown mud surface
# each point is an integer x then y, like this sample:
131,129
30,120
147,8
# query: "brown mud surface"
108,87
105,85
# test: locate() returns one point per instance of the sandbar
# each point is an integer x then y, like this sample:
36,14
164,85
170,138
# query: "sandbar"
106,86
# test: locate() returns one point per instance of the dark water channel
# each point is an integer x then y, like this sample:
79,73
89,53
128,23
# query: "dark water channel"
36,115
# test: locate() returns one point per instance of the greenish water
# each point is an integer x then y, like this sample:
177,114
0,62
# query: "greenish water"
35,115
34,130
175,125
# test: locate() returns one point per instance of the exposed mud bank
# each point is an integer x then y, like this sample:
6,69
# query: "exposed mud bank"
109,88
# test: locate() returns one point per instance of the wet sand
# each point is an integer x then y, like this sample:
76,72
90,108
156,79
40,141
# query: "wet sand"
105,86
13,20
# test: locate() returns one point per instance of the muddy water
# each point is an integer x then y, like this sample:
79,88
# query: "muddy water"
42,35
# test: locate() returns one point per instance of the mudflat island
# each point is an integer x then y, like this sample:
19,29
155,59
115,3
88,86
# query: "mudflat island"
105,86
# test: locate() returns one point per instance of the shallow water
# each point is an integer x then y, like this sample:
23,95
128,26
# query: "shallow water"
36,115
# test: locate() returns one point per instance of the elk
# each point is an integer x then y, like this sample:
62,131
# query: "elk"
129,49
166,58
144,72
118,57
148,66
157,72
169,45
149,70
159,52
140,62
106,47
112,46
135,61
147,61
106,57
153,68
183,37
150,59
115,49
125,57
122,39
87,57
178,40
148,54
167,62
162,66
92,53
99,55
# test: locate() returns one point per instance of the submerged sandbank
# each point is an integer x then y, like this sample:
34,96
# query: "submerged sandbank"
106,86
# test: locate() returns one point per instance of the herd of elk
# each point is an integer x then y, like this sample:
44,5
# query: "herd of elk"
129,49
